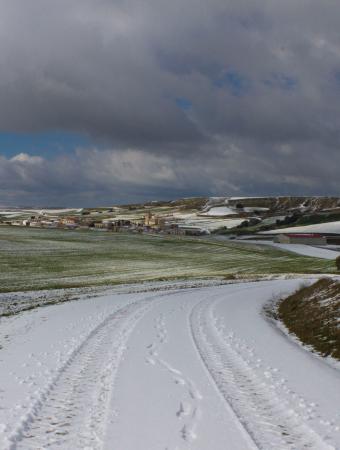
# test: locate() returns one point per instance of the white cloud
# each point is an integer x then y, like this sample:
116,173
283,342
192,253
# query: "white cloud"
27,159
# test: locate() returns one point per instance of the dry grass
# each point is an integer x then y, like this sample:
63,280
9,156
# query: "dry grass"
312,313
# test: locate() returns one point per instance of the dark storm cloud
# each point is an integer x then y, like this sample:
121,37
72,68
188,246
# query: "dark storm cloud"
208,95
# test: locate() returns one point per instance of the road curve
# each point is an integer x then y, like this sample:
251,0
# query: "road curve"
183,369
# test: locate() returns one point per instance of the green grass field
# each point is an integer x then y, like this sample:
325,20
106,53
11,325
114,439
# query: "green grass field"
43,259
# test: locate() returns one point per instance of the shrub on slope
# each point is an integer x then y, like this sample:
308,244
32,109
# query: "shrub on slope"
313,315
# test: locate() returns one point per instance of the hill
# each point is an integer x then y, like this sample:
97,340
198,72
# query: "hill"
230,215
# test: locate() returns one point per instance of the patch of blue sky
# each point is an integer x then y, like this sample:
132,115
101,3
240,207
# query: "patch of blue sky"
47,144
184,104
336,74
281,81
237,83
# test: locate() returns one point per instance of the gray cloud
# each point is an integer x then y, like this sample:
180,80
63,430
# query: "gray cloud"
92,176
261,81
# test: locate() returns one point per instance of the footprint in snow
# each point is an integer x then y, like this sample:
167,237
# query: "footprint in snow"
180,381
150,361
184,409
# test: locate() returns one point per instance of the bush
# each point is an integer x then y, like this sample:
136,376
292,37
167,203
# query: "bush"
337,262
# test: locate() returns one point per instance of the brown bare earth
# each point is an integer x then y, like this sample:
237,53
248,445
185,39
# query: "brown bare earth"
313,315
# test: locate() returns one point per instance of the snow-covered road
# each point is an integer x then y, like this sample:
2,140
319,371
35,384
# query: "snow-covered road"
182,369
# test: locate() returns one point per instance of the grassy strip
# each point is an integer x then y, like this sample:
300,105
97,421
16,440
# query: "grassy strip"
313,314
33,259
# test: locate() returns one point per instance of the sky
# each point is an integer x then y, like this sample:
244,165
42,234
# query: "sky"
117,101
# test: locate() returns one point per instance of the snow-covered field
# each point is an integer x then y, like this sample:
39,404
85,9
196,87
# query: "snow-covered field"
219,211
300,249
209,221
172,369
17,212
327,227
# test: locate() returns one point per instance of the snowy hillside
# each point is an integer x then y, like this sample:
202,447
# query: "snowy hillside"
220,211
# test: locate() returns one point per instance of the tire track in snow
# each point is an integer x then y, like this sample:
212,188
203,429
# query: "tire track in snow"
73,410
265,416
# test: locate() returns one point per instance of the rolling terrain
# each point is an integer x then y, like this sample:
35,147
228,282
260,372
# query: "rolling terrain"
36,259
168,345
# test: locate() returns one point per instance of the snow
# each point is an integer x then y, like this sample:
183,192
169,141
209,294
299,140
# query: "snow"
301,249
59,211
177,369
327,227
207,222
9,213
245,198
214,224
40,211
219,211
255,208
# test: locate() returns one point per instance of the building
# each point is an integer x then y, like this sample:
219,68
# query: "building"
301,238
70,220
149,219
191,230
172,228
333,240
99,225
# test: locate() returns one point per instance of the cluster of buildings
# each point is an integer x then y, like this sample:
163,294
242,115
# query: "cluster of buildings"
150,223
43,221
170,225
